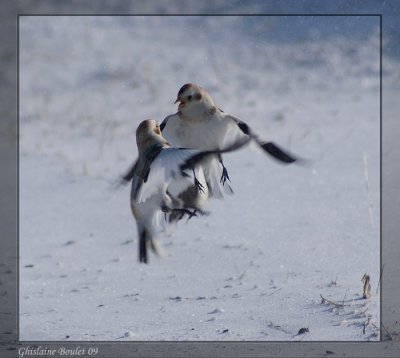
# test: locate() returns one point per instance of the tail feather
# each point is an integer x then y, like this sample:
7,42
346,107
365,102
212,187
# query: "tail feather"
143,238
146,240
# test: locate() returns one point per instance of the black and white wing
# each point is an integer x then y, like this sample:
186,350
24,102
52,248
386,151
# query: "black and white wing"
269,147
166,170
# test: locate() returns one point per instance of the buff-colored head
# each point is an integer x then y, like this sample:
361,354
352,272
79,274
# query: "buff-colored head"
194,100
149,133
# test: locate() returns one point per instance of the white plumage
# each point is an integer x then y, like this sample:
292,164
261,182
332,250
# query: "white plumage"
199,124
160,176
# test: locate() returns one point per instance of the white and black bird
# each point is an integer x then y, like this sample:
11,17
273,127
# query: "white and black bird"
200,124
160,174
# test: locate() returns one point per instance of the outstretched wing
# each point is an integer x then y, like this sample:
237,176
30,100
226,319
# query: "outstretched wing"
179,168
163,170
200,156
269,147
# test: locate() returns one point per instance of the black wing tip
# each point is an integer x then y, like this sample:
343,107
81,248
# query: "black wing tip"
278,153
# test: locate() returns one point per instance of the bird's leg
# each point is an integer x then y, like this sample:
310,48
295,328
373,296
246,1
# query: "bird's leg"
180,212
225,175
197,184
183,212
165,209
190,214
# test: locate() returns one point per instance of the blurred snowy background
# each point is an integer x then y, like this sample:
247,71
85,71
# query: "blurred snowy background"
256,267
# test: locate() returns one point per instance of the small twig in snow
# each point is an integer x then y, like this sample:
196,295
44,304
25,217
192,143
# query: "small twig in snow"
367,286
332,302
344,297
366,324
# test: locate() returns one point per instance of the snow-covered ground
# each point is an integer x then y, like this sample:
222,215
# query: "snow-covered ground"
255,269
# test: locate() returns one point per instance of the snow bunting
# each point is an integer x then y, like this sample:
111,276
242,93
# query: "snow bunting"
199,124
159,175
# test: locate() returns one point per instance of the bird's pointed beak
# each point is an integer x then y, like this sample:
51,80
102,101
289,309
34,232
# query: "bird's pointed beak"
177,100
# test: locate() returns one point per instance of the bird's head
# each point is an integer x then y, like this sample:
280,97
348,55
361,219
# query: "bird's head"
193,100
149,133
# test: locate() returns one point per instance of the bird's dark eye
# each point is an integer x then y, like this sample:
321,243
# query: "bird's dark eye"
190,97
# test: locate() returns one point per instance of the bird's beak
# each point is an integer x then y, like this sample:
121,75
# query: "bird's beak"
179,99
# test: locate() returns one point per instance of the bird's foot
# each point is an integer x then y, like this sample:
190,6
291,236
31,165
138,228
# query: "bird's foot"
224,176
190,214
198,185
178,214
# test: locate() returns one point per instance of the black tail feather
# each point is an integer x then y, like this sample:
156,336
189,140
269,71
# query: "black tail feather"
143,236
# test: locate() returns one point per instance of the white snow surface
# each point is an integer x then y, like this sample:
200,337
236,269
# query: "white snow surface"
254,269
